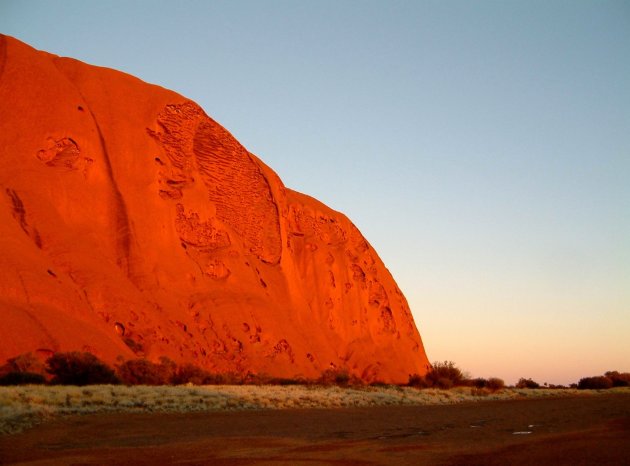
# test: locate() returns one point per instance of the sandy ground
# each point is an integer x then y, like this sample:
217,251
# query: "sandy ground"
562,431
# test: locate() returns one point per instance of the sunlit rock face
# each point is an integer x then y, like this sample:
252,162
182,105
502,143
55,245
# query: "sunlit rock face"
134,225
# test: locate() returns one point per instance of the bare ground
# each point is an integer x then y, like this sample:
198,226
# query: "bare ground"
563,431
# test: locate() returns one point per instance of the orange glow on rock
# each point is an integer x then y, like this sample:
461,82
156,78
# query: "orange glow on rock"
134,225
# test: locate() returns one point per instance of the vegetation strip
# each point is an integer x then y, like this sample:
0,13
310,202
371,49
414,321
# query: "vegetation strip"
80,383
25,406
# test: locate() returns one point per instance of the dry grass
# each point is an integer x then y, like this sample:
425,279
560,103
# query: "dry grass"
24,406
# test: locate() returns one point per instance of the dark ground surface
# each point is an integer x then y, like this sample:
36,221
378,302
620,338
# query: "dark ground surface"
591,430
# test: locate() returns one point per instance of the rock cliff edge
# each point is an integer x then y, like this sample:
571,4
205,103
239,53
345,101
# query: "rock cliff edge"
134,225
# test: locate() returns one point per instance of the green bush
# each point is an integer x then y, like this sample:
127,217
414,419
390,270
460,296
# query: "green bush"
75,368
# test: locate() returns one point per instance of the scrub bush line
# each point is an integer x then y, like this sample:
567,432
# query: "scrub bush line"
82,368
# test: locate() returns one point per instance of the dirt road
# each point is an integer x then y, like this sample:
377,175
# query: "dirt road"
561,431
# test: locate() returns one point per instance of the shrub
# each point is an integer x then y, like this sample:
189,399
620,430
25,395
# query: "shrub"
342,378
445,375
597,382
619,379
168,368
143,372
443,383
527,383
339,377
379,383
495,383
416,380
479,382
492,384
22,378
252,378
75,368
287,381
22,370
228,378
189,373
26,362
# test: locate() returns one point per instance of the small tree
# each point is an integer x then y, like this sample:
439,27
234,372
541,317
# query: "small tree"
445,375
76,368
598,382
619,379
527,383
495,383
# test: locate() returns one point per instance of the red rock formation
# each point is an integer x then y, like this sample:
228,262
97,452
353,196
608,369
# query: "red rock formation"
133,224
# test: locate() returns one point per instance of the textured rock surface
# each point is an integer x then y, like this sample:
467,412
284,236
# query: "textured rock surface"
133,224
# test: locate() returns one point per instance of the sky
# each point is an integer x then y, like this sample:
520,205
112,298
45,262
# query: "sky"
482,148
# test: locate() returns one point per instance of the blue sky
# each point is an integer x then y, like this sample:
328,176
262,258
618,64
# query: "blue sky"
483,148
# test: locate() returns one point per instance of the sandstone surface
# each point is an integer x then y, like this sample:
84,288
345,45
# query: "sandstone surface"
134,225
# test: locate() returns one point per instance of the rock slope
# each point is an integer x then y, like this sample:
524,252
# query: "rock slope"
134,225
